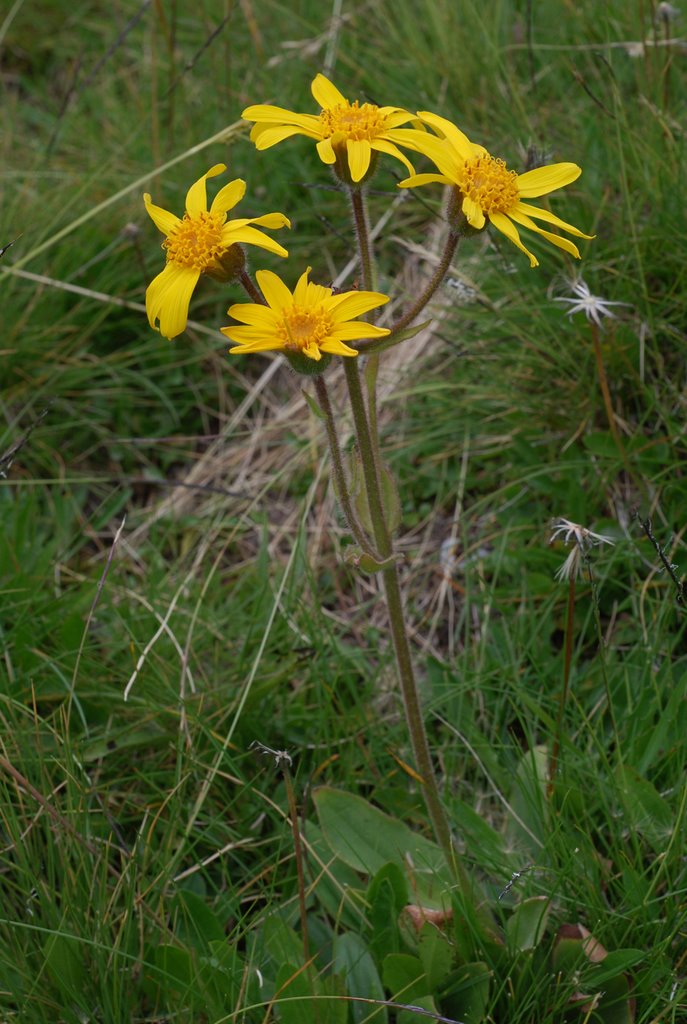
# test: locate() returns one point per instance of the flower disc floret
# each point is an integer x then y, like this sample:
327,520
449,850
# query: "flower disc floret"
311,321
345,133
489,184
487,189
203,241
303,328
353,121
196,241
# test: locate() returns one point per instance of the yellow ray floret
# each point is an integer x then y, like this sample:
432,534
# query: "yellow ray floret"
488,189
309,321
198,243
351,132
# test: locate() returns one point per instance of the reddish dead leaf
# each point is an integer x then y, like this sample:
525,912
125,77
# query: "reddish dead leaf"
418,916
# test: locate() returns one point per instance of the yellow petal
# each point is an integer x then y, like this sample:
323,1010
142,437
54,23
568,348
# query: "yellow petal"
259,346
264,113
359,155
316,295
264,136
249,335
383,146
228,196
358,329
325,151
312,351
395,116
559,240
253,314
506,227
270,220
196,197
162,219
168,297
337,348
251,236
543,180
424,179
550,218
277,295
448,130
444,155
300,292
473,213
326,94
352,304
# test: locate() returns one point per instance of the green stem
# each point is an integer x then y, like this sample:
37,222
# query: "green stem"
340,480
365,255
394,602
363,236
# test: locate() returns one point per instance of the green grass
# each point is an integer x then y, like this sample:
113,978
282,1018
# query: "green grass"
146,862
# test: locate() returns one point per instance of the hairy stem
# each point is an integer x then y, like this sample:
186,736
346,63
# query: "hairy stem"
340,480
250,287
437,277
394,602
362,233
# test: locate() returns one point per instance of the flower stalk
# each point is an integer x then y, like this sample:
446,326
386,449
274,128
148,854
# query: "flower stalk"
394,603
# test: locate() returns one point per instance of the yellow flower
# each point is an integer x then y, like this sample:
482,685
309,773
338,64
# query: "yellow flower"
489,189
347,133
309,322
200,242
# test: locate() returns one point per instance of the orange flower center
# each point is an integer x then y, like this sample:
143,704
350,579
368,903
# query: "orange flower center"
196,241
301,328
489,183
354,121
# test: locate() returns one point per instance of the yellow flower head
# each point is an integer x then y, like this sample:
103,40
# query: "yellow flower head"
308,322
489,189
347,133
200,242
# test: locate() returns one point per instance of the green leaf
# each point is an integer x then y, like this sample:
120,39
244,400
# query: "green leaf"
409,1016
294,991
527,824
647,811
526,924
296,1001
405,977
466,997
617,962
361,560
601,443
223,969
391,502
352,960
195,925
280,942
387,895
395,339
616,1005
436,955
366,839
312,405
337,886
64,956
175,970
